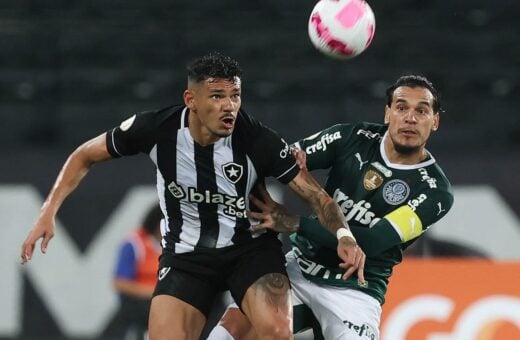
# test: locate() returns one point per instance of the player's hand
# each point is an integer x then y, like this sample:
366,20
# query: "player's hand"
301,158
273,215
43,229
353,258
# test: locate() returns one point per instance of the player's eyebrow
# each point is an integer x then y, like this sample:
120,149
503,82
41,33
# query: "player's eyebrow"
422,102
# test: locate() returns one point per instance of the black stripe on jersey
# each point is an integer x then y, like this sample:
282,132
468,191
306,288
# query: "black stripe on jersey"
206,182
167,164
242,224
186,118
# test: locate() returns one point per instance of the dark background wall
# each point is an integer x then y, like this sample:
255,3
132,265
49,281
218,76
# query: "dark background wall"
70,70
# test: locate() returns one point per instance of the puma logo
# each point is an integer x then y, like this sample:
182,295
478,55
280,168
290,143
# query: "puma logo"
358,156
439,204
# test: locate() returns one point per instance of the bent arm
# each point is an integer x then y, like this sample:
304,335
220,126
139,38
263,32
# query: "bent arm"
327,210
73,171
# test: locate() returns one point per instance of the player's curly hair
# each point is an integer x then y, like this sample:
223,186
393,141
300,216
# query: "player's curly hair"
213,65
414,81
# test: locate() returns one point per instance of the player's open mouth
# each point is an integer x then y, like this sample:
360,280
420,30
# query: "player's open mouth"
228,122
408,133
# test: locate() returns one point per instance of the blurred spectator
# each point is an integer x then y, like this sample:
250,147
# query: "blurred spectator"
136,274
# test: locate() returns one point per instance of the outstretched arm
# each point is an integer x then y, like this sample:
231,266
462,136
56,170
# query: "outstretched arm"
73,171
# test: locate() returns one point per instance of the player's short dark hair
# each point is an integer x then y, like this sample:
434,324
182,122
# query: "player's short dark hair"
152,219
213,65
414,81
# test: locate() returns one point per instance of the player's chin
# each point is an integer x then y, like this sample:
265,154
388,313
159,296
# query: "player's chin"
225,132
406,148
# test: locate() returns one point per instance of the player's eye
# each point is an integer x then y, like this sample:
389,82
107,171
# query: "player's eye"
422,111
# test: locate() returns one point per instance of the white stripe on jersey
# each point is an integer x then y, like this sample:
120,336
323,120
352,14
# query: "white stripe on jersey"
114,144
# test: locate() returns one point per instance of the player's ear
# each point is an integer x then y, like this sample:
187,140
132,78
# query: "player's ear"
436,121
189,99
387,114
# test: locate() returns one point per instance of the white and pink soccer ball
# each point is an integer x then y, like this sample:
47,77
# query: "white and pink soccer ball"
341,29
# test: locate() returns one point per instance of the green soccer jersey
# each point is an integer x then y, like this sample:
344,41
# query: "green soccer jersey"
386,205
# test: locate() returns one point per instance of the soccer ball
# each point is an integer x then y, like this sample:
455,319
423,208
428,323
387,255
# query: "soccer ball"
341,29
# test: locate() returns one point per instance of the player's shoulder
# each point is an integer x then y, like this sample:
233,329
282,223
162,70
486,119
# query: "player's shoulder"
247,121
164,114
435,183
357,132
362,129
368,130
148,123
248,126
435,171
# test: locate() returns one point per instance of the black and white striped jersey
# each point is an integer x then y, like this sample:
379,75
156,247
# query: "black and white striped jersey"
203,190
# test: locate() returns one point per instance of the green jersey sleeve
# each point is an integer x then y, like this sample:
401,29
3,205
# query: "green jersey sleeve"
399,226
372,240
323,147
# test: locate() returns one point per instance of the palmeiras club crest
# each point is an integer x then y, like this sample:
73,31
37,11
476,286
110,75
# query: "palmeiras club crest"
232,171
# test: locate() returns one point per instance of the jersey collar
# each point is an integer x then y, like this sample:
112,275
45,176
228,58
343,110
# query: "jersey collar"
429,160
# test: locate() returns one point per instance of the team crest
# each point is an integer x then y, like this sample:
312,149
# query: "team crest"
232,172
395,192
372,180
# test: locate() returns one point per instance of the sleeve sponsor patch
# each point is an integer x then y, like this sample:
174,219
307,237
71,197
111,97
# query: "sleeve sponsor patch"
406,222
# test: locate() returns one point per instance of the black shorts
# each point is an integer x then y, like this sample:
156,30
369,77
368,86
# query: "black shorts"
197,277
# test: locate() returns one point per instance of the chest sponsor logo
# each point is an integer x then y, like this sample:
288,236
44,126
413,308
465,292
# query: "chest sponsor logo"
232,171
372,180
321,144
425,177
234,206
395,192
384,170
357,211
176,190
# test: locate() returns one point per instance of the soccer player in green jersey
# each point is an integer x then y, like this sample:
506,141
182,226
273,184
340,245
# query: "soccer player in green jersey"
390,189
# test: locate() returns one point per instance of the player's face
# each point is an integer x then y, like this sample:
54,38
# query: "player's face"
411,118
215,102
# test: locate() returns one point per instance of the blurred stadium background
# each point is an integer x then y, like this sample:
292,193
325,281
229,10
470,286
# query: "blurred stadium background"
71,70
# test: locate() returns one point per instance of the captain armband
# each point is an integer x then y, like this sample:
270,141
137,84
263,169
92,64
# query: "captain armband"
405,222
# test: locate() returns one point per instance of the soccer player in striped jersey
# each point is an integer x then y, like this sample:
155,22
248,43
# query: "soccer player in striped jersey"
209,155
390,190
